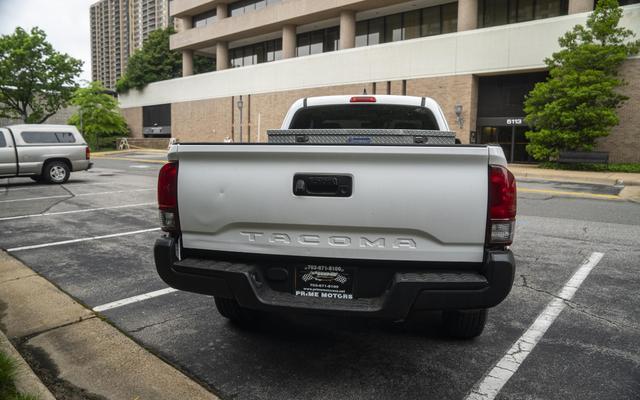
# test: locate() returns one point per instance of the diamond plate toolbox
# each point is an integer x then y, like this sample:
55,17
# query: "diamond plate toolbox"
361,136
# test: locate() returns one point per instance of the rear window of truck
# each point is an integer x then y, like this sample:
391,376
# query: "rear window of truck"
48,137
3,143
364,116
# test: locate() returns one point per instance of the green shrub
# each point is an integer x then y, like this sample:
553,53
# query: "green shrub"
7,380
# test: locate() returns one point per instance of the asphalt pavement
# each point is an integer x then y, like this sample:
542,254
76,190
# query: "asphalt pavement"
93,238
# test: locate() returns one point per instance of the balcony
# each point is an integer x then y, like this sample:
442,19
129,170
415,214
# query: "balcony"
181,8
266,20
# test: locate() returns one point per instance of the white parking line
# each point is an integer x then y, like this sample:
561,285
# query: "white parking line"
489,387
75,195
69,185
74,211
133,299
39,246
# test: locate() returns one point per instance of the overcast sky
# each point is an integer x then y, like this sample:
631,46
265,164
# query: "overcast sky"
66,23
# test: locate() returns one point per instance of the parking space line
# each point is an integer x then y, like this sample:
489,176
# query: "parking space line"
113,235
134,299
48,214
75,195
489,387
69,185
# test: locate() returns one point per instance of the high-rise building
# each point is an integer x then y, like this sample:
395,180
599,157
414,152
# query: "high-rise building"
148,15
118,28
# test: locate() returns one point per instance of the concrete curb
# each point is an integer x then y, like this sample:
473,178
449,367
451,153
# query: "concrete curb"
603,178
74,352
27,382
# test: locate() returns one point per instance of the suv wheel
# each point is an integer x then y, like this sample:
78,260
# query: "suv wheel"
464,324
230,309
56,172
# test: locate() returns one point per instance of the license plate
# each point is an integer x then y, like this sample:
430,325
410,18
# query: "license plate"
324,281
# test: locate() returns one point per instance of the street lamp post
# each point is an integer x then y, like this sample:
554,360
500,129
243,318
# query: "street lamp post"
240,105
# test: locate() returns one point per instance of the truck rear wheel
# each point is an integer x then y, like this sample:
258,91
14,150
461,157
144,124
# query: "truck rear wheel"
56,172
464,324
230,309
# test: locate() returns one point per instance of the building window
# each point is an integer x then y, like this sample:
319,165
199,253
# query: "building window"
247,6
316,42
408,25
502,12
203,19
256,53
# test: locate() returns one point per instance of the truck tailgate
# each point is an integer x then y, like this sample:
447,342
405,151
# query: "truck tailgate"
407,203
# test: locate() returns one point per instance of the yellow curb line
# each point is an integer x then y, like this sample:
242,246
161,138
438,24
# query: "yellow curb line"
142,160
575,194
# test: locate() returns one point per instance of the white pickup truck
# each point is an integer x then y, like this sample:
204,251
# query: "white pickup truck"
354,229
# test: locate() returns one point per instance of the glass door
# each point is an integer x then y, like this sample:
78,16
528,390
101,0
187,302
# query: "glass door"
510,138
498,135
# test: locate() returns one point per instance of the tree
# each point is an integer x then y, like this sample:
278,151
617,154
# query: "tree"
155,61
35,80
577,104
97,116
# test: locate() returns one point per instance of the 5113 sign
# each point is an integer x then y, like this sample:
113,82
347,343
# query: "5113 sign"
515,121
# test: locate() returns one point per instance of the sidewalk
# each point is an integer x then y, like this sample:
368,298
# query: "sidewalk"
73,351
525,171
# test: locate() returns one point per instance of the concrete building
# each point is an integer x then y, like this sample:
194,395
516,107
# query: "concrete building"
477,58
118,28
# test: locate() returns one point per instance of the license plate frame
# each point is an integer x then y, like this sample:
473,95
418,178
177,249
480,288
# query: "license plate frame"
325,281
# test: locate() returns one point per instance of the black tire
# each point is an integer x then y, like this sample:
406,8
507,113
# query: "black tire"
56,172
230,309
464,324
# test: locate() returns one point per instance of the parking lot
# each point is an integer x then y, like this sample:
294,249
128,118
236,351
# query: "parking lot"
93,238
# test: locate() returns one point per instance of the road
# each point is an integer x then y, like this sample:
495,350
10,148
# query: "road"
106,220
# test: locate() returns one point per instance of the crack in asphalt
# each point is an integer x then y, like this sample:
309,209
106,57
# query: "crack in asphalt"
577,306
139,329
55,203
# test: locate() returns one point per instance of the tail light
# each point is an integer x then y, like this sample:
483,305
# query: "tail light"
502,206
87,153
363,99
168,197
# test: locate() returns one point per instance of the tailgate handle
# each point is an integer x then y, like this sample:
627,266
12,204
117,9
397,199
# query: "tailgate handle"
322,185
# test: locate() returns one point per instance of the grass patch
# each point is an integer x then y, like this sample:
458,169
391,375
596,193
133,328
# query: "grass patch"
8,390
629,167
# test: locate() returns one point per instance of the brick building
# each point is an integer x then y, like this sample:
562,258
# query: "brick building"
477,58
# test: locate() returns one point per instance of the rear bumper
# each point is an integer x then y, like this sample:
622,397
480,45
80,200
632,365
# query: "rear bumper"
427,289
81,165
